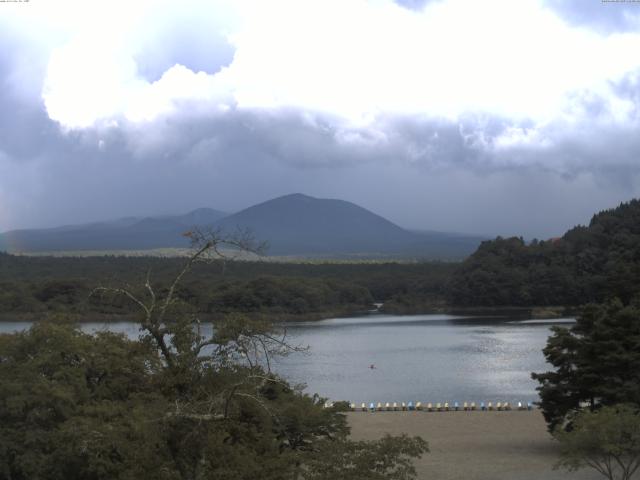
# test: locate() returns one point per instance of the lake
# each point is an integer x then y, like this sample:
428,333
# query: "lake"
427,358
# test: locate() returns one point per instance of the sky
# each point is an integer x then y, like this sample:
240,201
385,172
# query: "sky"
492,117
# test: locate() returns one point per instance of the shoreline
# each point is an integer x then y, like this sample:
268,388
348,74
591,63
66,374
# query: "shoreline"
494,445
532,313
92,317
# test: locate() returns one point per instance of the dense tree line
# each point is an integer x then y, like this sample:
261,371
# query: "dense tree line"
50,284
587,264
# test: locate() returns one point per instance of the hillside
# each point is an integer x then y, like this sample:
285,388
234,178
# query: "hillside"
587,264
123,234
299,224
296,225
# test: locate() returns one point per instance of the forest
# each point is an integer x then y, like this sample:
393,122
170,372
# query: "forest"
587,264
36,285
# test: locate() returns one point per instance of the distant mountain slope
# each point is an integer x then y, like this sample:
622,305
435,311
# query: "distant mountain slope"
298,224
292,225
123,234
587,264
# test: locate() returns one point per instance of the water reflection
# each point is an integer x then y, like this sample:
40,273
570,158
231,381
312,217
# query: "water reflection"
433,358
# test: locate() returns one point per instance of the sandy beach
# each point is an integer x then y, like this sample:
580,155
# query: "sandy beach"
473,445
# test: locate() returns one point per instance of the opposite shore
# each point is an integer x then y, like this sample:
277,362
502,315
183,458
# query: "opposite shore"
531,312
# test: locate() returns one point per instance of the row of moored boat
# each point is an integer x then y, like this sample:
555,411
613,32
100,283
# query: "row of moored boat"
438,407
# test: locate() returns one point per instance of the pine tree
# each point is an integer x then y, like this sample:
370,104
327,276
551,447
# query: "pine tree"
597,362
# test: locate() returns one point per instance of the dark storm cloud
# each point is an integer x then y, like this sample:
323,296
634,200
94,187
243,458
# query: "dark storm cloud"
25,127
628,88
481,173
601,15
419,171
293,138
422,173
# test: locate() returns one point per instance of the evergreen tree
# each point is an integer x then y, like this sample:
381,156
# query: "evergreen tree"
597,362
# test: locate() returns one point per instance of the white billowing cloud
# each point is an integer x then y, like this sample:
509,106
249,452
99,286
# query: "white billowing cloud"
87,82
355,60
177,84
358,59
93,78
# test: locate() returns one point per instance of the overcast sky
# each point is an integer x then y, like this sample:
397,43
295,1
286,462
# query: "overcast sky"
482,116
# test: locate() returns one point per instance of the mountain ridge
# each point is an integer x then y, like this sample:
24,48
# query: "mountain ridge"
294,224
122,234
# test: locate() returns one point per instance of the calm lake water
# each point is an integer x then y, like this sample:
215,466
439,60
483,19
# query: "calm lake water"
428,358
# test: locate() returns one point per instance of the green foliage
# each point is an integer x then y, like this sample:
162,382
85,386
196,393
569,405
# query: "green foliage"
175,404
77,406
597,361
390,458
588,264
69,401
607,440
287,290
280,295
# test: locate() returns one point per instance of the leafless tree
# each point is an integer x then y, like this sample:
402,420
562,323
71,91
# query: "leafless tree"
236,340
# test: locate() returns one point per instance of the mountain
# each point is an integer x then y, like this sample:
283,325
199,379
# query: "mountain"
298,224
294,224
130,233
